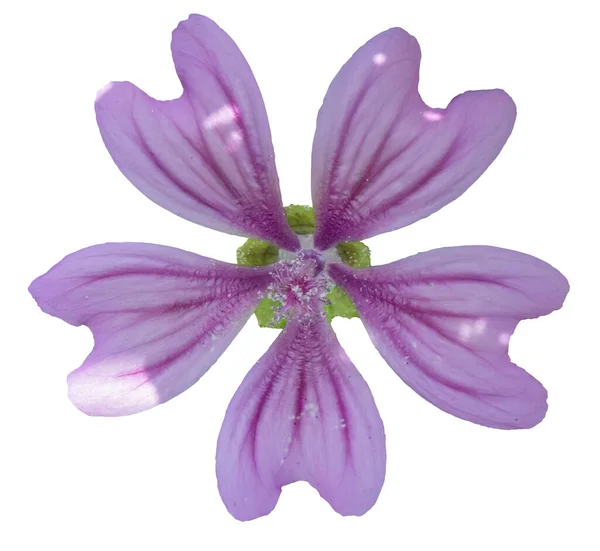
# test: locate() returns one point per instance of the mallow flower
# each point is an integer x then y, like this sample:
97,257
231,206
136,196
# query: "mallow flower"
381,160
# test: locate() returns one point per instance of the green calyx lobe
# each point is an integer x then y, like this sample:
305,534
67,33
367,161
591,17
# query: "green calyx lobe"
301,219
255,252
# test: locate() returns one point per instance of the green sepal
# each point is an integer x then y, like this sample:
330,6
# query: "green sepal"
301,219
340,305
354,254
255,252
264,314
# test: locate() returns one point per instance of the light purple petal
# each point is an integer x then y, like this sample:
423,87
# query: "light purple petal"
302,413
443,319
160,318
381,158
206,156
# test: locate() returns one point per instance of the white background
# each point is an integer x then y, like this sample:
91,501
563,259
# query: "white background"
147,482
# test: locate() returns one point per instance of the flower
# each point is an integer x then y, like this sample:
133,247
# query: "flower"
381,160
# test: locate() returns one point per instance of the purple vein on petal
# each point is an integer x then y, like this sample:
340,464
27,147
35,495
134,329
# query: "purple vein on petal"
443,319
160,318
379,161
195,169
302,413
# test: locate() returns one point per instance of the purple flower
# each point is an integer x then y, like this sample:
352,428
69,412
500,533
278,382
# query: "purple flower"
381,160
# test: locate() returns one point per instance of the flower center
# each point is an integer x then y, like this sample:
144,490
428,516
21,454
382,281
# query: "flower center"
300,287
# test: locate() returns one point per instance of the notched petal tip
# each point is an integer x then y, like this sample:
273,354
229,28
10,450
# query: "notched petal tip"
535,408
303,412
47,295
259,502
115,95
560,287
493,109
36,290
395,38
115,105
161,317
104,93
409,160
197,21
221,176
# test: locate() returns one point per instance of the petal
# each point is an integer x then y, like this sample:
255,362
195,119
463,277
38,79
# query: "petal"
302,413
206,156
381,158
160,318
442,320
